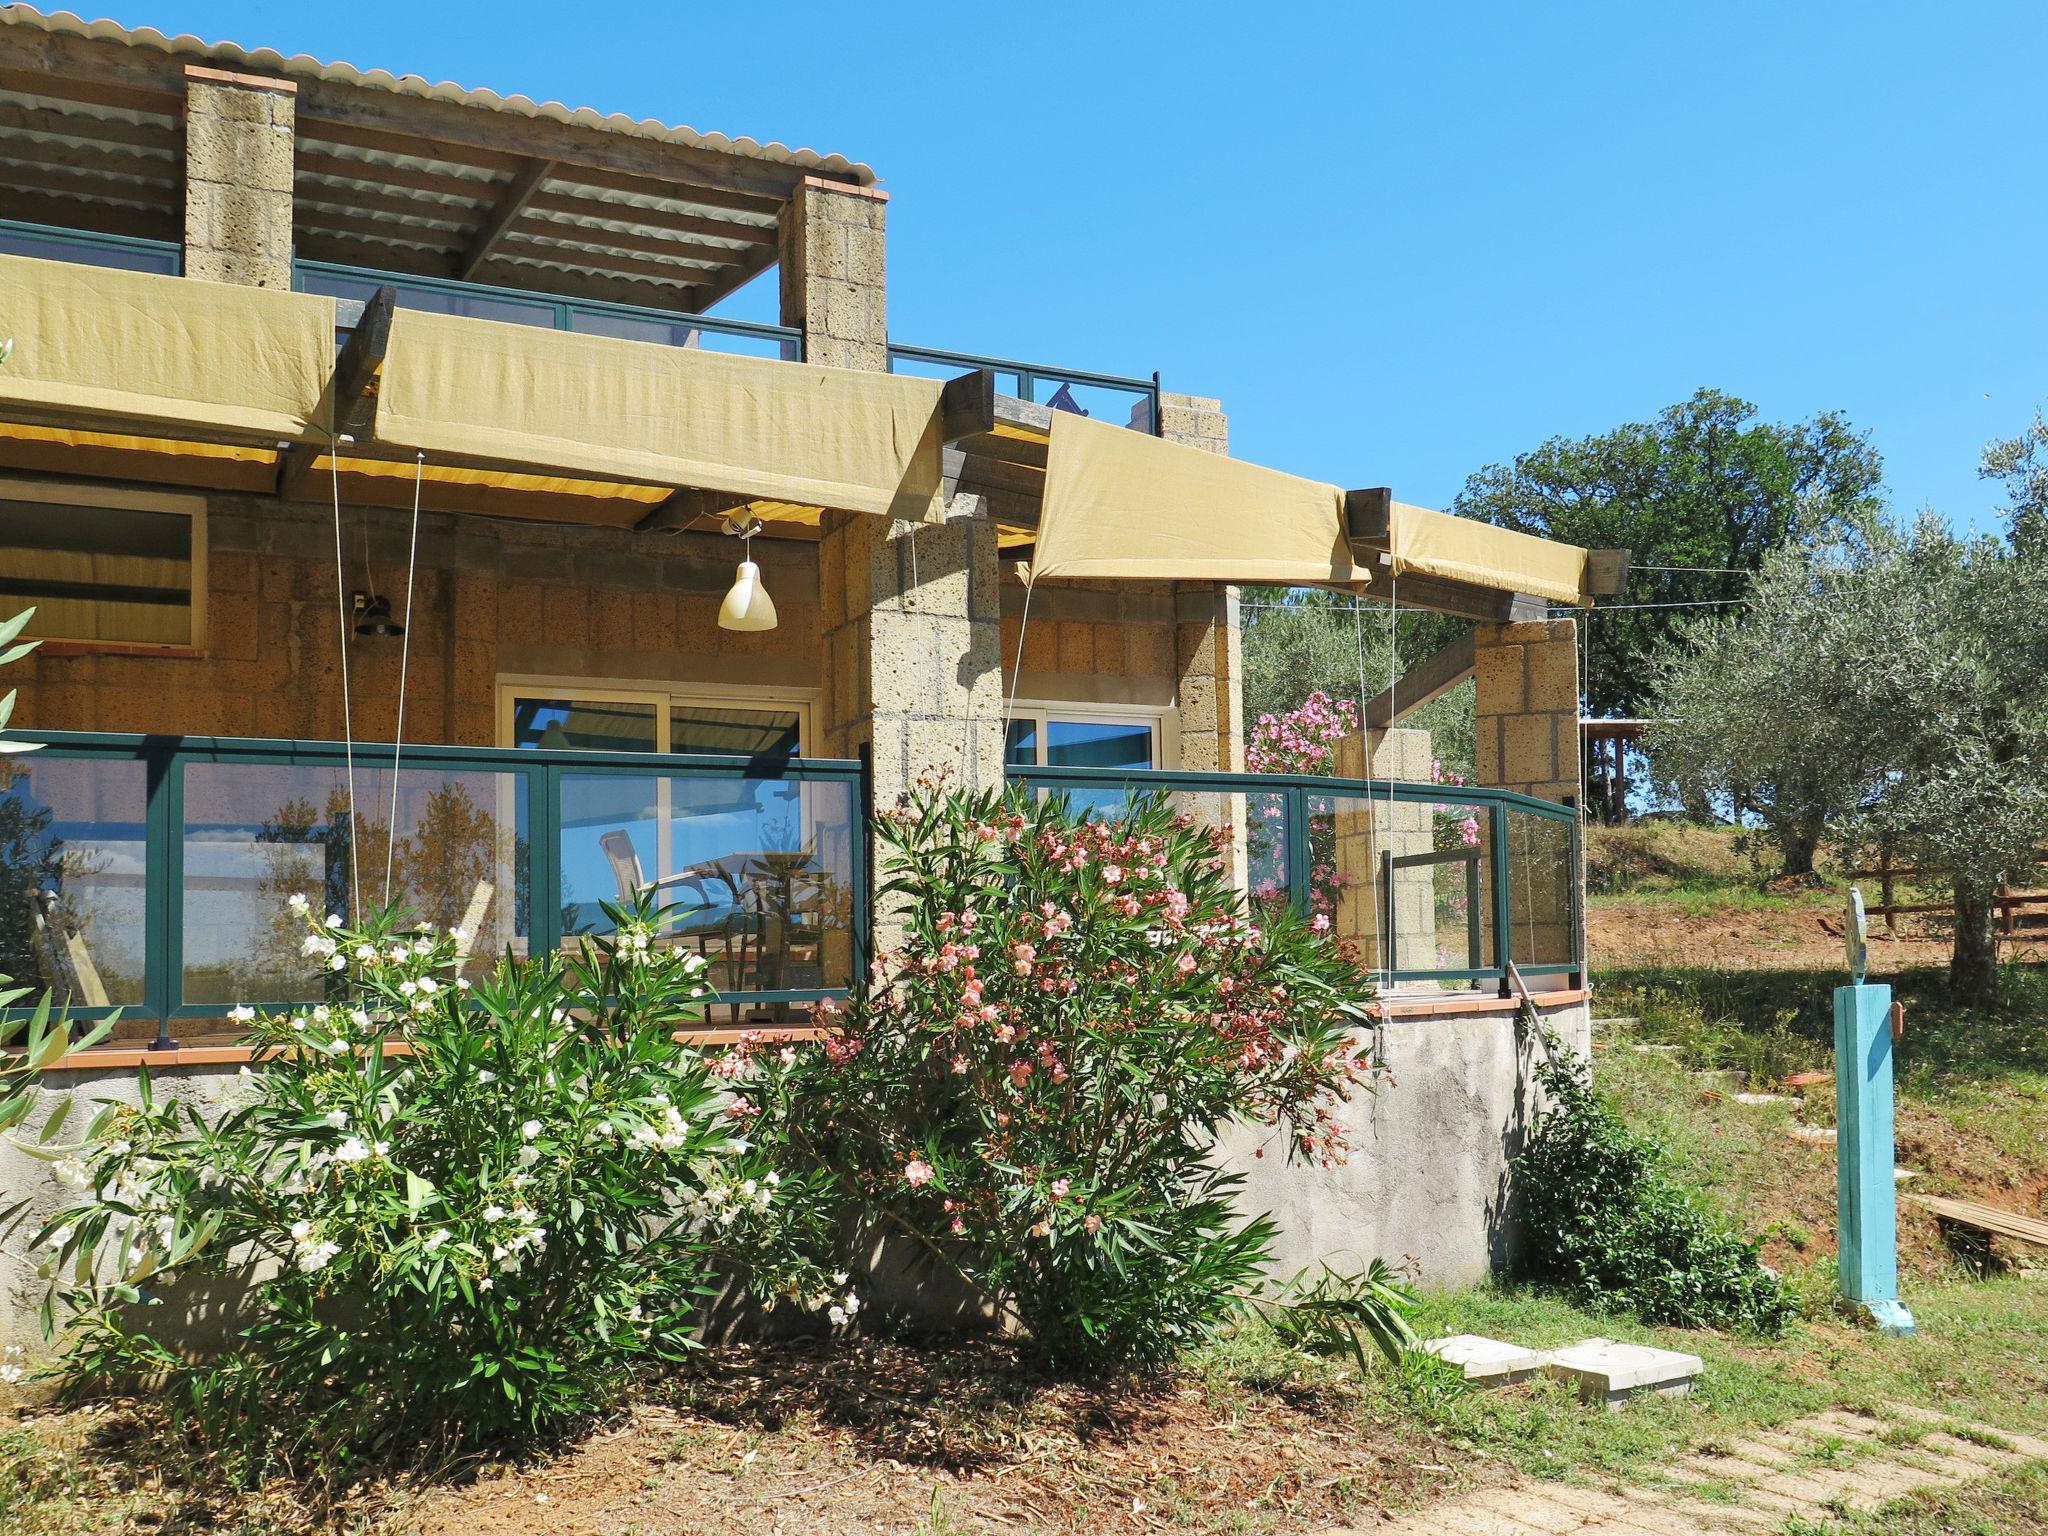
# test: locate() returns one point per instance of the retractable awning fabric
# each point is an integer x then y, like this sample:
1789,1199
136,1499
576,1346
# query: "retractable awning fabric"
484,392
1481,555
146,353
1124,504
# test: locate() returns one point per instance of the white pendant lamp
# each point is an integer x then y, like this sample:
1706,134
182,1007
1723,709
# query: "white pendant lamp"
747,606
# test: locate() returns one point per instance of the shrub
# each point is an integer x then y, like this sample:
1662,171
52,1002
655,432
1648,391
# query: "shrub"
1606,1221
460,1213
1031,1081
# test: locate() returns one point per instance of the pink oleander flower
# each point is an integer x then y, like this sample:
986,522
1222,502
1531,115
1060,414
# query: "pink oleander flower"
917,1172
1060,1188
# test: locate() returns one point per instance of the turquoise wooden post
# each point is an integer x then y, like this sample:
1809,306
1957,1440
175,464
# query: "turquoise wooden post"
1867,1201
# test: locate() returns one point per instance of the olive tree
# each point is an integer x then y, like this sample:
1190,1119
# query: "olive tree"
1892,692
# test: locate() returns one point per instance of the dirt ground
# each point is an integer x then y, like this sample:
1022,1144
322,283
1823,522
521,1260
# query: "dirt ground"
1803,933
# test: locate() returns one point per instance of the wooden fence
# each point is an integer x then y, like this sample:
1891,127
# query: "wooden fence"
2011,902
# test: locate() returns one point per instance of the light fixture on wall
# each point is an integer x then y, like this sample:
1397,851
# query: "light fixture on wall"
373,615
747,606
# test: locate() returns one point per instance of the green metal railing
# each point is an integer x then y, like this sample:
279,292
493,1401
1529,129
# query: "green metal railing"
150,873
50,242
1450,883
1064,388
550,311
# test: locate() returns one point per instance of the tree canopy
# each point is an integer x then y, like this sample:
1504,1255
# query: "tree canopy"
1892,690
1707,487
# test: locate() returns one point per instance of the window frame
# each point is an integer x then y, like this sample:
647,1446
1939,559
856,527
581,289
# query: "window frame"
1155,718
121,498
663,696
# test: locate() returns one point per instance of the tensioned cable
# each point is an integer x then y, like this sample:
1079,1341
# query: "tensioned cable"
412,560
348,733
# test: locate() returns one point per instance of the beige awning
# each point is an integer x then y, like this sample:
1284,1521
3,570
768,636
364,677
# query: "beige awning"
143,351
486,393
1121,504
1429,543
1125,504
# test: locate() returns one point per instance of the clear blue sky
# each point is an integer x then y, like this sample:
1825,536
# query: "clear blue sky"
1399,241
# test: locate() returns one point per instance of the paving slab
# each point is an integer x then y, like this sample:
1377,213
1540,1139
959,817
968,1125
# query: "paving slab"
1486,1362
1608,1372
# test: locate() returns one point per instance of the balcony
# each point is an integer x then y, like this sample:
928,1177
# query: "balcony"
150,875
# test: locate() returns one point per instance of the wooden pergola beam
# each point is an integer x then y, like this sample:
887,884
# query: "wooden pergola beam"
510,205
967,405
1424,683
354,372
690,506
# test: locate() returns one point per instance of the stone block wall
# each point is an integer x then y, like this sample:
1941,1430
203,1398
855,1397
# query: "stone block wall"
238,177
1362,831
1527,707
491,598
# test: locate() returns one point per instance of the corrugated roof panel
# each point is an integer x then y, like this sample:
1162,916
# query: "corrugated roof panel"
305,67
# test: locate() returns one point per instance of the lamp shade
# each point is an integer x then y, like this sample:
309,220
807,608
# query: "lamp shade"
747,605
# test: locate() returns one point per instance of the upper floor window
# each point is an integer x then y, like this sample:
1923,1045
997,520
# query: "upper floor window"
1060,736
112,566
598,717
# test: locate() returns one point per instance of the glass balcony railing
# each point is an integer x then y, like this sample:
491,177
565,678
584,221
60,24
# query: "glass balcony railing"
1124,402
152,874
90,249
1435,885
352,287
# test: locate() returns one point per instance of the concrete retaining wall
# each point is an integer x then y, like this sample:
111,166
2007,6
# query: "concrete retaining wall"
1427,1178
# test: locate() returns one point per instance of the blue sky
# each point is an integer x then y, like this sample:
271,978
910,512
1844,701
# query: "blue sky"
1400,242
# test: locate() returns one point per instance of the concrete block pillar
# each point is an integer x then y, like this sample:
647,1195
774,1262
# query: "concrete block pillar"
239,132
912,612
1209,687
834,272
1527,708
1360,832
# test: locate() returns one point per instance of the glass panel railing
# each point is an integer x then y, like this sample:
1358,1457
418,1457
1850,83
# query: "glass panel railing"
1542,886
1406,881
1124,402
759,870
73,902
353,286
90,248
255,834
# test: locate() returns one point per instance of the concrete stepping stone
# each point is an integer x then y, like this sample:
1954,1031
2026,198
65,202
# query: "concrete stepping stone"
1763,1098
1609,1372
1486,1362
1822,1135
1653,1050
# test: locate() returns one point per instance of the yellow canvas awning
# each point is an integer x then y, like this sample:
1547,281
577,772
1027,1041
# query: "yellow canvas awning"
174,354
1125,504
487,393
1478,554
1121,504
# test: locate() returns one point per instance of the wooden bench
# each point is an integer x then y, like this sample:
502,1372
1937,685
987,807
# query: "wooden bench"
1986,1218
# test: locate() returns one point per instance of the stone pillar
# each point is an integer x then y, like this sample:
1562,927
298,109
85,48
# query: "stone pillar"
1361,832
239,131
834,271
1527,709
1209,689
911,612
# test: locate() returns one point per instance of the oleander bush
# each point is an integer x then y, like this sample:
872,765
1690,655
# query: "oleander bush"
1607,1221
459,1214
1030,1084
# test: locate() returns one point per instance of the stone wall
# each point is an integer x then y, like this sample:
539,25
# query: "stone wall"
1363,830
1527,707
1427,1176
491,598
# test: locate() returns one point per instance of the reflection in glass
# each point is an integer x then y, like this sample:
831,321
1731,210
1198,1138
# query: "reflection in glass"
761,870
734,732
1540,885
587,725
256,834
72,877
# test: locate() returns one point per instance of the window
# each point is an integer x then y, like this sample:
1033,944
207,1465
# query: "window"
114,566
89,248
638,717
1058,736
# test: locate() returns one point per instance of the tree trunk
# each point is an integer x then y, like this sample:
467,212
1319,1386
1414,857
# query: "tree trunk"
1973,964
1800,850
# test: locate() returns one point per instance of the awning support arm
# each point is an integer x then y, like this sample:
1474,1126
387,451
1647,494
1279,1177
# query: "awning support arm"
354,371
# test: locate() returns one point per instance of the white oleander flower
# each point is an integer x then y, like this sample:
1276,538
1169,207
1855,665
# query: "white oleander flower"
10,1373
352,1151
360,1017
486,1075
435,1239
334,919
838,1316
529,1130
494,1213
241,1013
460,936
301,1230
337,1118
